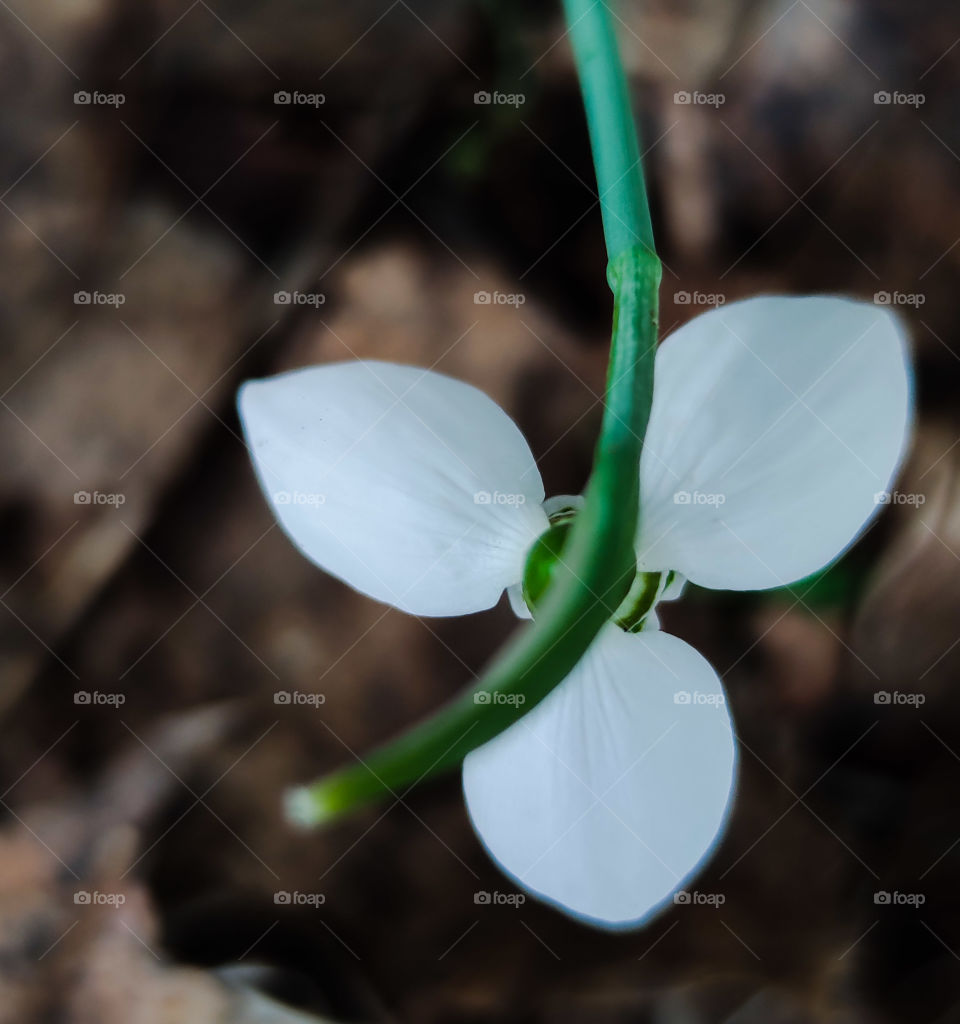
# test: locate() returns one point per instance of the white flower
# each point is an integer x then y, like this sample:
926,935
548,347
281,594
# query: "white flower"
775,422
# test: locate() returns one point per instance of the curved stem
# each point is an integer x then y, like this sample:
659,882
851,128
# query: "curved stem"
613,136
599,560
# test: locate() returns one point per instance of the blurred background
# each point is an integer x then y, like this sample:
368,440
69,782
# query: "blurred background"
194,193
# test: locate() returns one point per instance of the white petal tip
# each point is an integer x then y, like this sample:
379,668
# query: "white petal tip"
413,488
775,421
614,790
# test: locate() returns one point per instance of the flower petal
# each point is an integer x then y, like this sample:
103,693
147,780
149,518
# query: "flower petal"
606,795
412,487
776,422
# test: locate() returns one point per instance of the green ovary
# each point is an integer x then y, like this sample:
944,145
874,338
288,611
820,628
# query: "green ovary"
542,563
547,554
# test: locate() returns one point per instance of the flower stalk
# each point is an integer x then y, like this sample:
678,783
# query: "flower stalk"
599,560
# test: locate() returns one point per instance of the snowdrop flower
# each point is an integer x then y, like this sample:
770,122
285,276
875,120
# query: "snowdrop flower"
775,423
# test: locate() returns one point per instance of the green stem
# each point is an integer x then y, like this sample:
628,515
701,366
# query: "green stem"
599,560
613,137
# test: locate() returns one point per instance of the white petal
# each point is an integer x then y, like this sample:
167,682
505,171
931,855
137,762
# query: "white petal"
560,503
517,603
609,793
412,487
775,423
